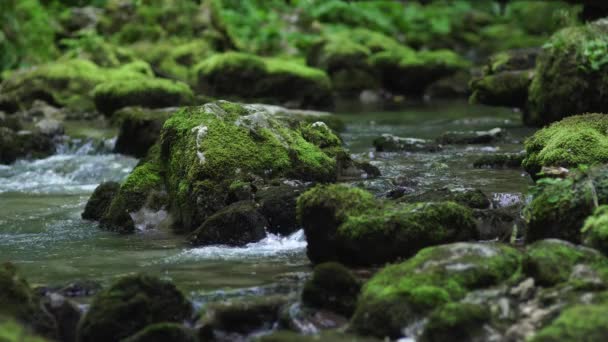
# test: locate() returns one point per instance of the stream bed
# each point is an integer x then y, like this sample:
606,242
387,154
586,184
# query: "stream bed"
41,201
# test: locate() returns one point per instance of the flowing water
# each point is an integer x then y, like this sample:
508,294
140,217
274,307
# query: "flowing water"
41,201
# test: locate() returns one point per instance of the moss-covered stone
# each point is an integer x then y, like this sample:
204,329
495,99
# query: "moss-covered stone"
400,294
391,143
178,61
570,76
455,322
251,77
278,205
139,129
240,316
595,230
559,207
131,304
577,323
573,141
550,262
332,287
23,144
471,137
500,160
509,88
235,225
161,332
472,198
100,201
66,83
342,223
112,95
207,149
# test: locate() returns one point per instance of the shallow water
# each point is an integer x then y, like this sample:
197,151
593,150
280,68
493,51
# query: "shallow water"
41,201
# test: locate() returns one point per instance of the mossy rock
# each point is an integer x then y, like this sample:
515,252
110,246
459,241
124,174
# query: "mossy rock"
161,332
570,75
23,144
595,230
179,60
332,287
235,225
456,322
344,224
472,198
131,304
205,150
573,141
240,316
250,77
66,83
139,129
278,205
550,262
401,294
559,207
508,89
112,95
577,323
137,191
100,201
405,71
500,160
392,143
11,331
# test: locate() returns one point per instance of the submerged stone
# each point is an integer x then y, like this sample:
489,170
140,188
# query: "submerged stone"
131,304
344,224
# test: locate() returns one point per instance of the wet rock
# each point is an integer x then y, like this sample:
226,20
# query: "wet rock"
332,287
569,78
465,138
390,143
240,317
139,129
455,86
289,336
350,169
402,294
499,223
66,314
11,122
499,160
278,205
573,141
42,110
23,144
235,225
342,223
80,288
456,322
50,127
100,201
161,332
251,77
595,230
131,304
306,320
472,198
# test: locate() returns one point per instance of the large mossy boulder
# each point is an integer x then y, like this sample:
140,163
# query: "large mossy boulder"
573,141
559,207
570,75
112,95
350,226
332,287
577,323
401,294
131,304
595,230
505,79
269,80
100,200
67,83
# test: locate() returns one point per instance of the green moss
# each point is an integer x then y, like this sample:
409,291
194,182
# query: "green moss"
569,79
11,331
100,200
550,262
341,223
319,134
131,304
509,88
577,323
256,78
455,322
400,294
179,60
332,287
595,230
573,141
150,92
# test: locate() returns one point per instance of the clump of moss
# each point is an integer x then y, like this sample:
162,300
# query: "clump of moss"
550,262
509,88
456,322
579,322
151,93
342,223
251,77
11,331
403,293
595,230
332,287
179,60
570,75
573,141
131,304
